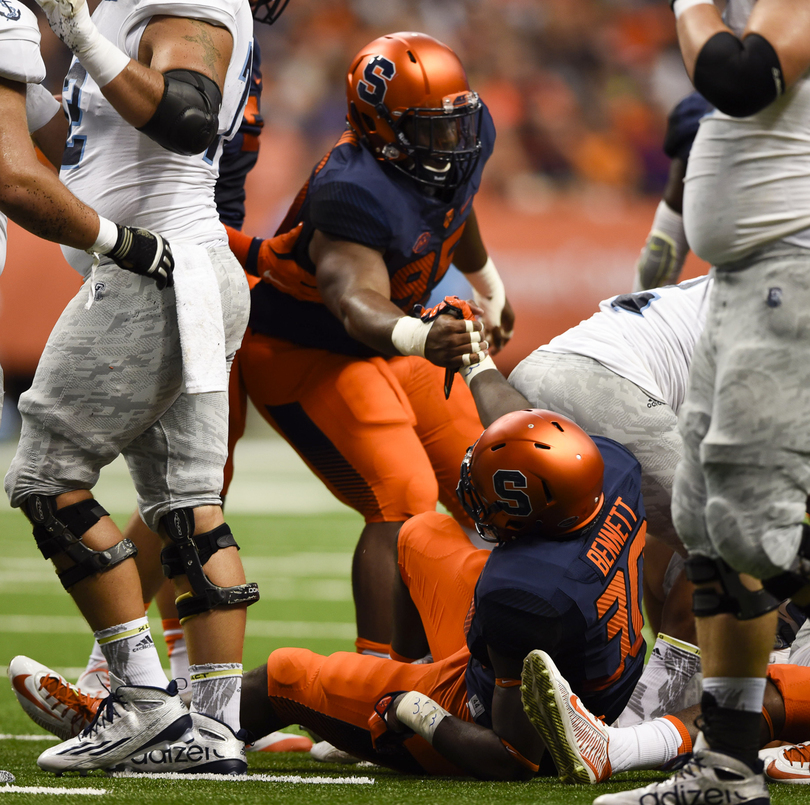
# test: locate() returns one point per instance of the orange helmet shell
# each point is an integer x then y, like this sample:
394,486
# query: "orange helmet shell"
396,76
532,471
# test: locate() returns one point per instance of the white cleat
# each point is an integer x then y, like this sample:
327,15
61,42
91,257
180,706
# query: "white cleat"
324,752
709,778
95,681
281,742
49,699
787,764
577,740
209,747
130,720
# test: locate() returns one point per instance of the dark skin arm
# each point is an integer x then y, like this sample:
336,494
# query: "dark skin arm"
353,283
494,397
470,256
480,751
50,138
31,195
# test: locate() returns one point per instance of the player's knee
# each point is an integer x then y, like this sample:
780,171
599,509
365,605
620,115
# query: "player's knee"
289,668
59,531
408,496
187,556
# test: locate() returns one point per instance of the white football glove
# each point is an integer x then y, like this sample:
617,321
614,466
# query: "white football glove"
70,21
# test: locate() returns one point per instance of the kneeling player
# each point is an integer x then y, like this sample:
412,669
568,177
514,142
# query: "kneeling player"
567,515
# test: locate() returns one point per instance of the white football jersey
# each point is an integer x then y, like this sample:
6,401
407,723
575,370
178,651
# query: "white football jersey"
748,179
647,337
20,60
124,175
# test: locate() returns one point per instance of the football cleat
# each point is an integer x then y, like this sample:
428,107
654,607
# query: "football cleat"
50,700
209,747
709,778
130,720
95,681
324,752
281,742
787,764
577,740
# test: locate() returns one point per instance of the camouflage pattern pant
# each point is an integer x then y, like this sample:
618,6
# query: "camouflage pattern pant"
110,381
741,490
603,403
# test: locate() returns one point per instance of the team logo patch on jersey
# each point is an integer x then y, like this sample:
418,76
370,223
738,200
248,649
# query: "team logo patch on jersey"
421,242
8,11
376,75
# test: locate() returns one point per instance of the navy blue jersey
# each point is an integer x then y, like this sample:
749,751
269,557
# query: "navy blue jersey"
682,125
578,600
352,196
240,153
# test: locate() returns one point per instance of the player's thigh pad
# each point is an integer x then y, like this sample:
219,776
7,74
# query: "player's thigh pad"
603,403
349,419
440,568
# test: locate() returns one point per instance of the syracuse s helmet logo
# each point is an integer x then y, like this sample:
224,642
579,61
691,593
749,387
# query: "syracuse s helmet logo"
376,75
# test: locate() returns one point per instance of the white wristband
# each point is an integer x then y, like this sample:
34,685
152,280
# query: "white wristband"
102,60
409,336
107,236
679,6
469,372
489,293
40,106
421,714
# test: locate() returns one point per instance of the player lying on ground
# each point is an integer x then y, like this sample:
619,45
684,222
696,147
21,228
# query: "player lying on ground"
566,511
587,750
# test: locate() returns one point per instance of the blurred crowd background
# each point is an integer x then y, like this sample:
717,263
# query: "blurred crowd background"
579,91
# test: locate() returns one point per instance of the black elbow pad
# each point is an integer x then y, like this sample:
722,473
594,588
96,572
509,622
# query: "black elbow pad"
187,118
739,77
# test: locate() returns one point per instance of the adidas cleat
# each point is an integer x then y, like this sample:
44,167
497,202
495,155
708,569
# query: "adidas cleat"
281,742
708,779
50,700
209,747
130,720
577,740
787,764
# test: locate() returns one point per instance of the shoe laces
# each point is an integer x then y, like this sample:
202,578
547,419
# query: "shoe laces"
799,754
105,715
83,706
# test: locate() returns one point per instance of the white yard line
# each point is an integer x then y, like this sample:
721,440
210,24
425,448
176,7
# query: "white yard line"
41,789
247,778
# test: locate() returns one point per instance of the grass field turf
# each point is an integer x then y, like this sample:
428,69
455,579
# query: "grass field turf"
301,563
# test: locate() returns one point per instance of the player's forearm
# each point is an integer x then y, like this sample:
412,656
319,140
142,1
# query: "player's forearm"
135,93
695,26
494,397
470,254
478,751
370,318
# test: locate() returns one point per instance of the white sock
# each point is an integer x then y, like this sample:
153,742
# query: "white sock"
216,691
95,659
131,654
737,693
645,746
178,652
664,686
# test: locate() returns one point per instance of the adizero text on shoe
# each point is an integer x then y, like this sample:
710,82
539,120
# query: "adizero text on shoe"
49,699
577,740
209,747
788,764
130,720
710,778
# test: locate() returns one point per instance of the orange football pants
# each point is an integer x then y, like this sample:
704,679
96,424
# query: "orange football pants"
377,431
440,568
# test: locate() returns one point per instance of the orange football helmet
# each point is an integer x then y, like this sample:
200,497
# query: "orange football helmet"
410,103
531,472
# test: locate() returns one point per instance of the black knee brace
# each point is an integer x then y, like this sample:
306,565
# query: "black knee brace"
60,531
735,599
186,557
787,584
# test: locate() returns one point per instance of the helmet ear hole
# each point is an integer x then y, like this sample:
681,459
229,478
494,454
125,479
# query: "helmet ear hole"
371,126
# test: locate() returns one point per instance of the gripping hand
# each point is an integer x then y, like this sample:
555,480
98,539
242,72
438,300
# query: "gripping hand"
144,252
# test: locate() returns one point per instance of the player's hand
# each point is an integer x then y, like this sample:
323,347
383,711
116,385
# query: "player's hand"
70,21
499,336
144,252
456,338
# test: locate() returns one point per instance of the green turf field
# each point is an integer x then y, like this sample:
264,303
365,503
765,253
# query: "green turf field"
301,562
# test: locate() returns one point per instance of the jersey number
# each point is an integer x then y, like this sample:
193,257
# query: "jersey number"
72,95
620,604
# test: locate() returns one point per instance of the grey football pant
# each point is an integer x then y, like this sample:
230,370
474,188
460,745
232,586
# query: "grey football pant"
603,403
110,381
741,490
